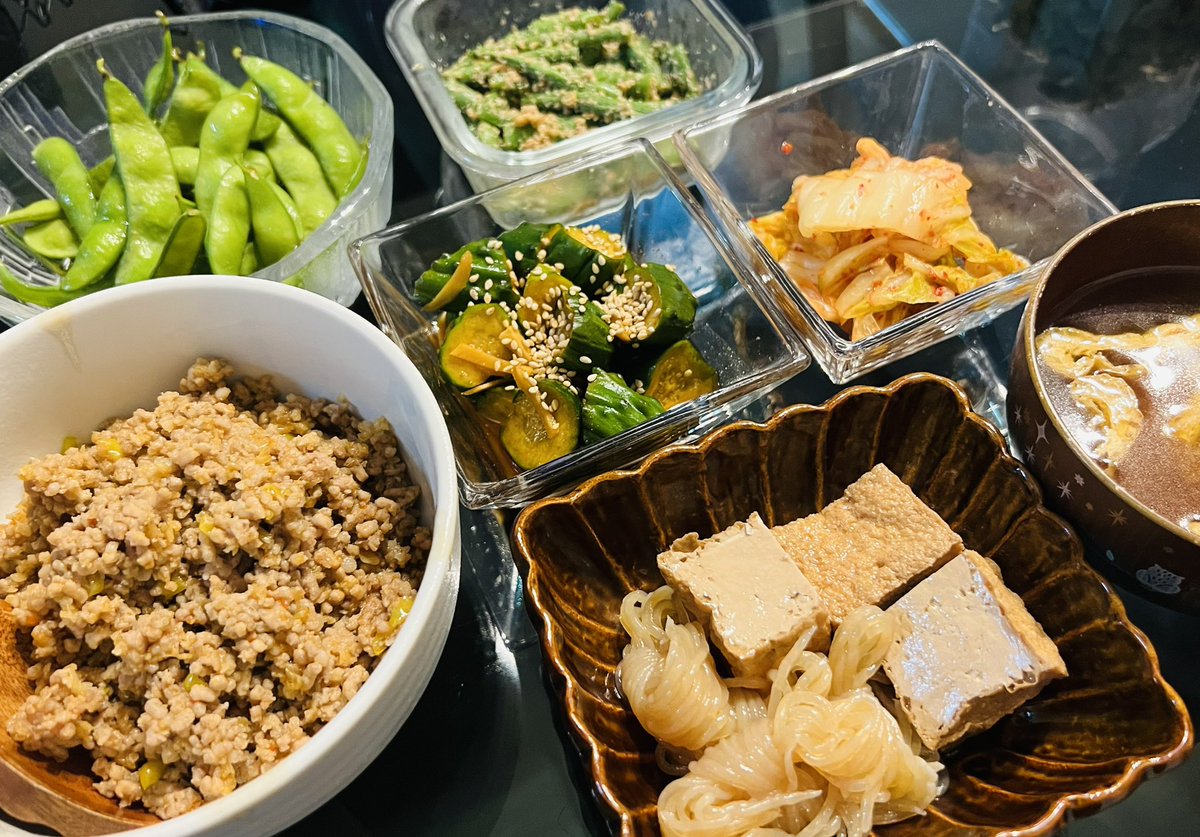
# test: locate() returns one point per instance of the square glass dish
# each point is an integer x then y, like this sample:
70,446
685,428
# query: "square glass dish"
427,36
660,221
60,94
917,102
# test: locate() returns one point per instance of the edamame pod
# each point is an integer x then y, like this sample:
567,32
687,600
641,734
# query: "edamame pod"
266,124
196,93
46,296
184,246
259,163
98,174
151,190
52,240
228,224
185,159
59,162
311,117
98,252
297,167
223,143
249,264
274,233
161,77
102,247
290,205
44,210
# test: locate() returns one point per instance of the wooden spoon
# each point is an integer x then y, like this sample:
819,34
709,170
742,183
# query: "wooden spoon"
38,790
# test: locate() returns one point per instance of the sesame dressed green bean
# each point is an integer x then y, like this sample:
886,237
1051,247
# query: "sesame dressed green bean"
563,74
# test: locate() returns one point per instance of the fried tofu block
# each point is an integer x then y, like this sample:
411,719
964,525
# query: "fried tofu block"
870,546
752,598
968,653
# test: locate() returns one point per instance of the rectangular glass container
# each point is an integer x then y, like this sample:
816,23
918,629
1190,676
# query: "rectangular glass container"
427,36
752,351
917,102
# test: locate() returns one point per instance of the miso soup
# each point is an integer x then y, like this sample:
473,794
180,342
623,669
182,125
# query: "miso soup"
1121,366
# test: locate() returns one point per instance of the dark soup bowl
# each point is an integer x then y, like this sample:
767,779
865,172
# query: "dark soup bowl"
1103,421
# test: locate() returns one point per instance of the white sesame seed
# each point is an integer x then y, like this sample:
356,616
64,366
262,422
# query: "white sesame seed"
600,258
518,255
591,377
494,244
560,267
687,373
584,359
489,260
487,286
487,297
541,254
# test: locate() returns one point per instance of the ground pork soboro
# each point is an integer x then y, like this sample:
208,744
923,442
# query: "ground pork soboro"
207,583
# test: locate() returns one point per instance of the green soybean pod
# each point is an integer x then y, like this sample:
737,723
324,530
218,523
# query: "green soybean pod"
185,159
228,224
52,240
161,77
46,296
151,190
46,209
300,172
274,232
250,263
101,248
311,117
259,163
267,122
59,162
292,210
183,248
98,174
196,93
223,142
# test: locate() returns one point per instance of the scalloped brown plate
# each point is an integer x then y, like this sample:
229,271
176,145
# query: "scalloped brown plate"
1085,742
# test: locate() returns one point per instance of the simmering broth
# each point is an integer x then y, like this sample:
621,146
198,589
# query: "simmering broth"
1121,366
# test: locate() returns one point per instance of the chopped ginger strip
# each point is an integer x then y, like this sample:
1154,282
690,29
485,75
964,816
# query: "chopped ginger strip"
455,285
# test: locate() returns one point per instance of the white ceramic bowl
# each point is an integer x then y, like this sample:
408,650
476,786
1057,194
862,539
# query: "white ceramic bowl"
69,369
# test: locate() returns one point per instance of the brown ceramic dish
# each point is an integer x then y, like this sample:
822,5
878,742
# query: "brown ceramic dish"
1083,743
1160,558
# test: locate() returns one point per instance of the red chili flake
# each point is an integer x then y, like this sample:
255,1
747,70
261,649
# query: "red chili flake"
786,148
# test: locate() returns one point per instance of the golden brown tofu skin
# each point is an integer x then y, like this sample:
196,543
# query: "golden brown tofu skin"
750,596
870,546
967,653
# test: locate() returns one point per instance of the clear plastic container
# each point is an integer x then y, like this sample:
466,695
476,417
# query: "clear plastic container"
917,101
429,35
752,351
60,94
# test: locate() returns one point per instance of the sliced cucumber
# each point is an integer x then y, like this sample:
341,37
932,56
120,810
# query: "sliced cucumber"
549,297
489,280
680,375
494,404
665,307
589,257
525,435
610,407
477,330
522,245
